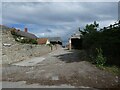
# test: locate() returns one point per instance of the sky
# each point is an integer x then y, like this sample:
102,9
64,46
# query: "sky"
57,19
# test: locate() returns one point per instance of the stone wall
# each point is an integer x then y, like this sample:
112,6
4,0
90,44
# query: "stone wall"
0,46
13,51
16,53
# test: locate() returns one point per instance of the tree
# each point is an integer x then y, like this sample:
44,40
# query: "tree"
89,28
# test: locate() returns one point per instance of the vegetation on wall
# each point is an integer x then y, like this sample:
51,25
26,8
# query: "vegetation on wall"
29,41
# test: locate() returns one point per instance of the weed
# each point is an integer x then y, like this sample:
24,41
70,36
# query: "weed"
100,60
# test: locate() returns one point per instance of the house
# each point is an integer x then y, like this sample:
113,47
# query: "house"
55,40
25,34
42,41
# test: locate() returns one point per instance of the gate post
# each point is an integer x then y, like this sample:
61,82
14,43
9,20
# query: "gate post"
70,44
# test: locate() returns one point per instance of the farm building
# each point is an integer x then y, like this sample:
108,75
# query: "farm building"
42,41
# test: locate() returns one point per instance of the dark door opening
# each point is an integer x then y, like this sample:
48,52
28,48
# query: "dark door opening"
76,43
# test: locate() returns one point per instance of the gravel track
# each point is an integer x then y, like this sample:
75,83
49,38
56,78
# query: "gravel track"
61,67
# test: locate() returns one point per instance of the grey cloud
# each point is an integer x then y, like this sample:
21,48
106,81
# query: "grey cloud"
48,30
58,12
61,18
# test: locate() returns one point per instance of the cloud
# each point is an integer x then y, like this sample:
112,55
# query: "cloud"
60,1
49,13
0,18
57,19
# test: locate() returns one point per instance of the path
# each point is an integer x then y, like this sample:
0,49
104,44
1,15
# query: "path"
30,62
61,67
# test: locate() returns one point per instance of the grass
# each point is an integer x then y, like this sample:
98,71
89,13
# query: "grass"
112,69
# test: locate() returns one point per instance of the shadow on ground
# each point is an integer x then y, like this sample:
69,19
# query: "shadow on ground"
72,56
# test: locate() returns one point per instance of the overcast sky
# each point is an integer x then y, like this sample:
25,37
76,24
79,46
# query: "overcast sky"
57,18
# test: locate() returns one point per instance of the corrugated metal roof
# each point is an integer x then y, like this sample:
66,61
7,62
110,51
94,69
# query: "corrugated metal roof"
77,35
54,39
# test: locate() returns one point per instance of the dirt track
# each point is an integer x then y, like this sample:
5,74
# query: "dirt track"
61,67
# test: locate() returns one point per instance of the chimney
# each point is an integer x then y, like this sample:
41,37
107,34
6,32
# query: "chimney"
25,30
